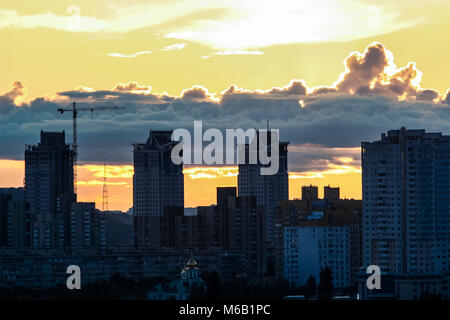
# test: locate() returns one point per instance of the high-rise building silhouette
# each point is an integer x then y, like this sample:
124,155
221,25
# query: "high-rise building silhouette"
268,189
15,220
310,193
406,204
243,227
235,224
87,228
49,188
223,193
158,183
330,193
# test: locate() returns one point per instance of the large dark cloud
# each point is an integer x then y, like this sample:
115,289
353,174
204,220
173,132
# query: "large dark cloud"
363,103
330,121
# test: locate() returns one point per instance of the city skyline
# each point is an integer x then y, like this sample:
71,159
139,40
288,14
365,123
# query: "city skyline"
212,150
205,178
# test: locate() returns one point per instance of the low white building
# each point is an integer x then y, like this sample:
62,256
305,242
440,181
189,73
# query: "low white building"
308,249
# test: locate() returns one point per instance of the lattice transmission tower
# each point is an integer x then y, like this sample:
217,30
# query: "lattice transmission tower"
105,191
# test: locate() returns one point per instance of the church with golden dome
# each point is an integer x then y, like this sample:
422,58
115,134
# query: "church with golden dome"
179,289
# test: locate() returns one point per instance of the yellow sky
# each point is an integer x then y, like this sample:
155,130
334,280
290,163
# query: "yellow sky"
171,45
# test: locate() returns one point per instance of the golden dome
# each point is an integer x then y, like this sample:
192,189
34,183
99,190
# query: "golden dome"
191,264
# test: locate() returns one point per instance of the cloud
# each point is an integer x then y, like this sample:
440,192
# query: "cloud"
370,72
447,97
7,101
112,172
18,90
100,183
232,24
121,93
172,47
325,131
332,169
238,52
210,172
133,87
294,90
235,52
322,134
374,72
295,87
427,95
363,69
175,46
132,55
257,24
73,22
196,93
314,157
323,90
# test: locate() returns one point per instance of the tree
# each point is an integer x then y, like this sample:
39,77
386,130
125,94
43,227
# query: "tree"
430,296
311,288
213,286
325,284
197,293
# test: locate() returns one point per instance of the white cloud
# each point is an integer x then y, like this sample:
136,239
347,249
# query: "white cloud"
133,55
262,23
236,24
73,22
231,52
172,47
238,52
175,46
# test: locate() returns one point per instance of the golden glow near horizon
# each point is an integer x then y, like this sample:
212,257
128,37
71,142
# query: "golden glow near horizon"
200,183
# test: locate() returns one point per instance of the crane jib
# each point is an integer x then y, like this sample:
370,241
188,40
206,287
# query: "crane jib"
74,111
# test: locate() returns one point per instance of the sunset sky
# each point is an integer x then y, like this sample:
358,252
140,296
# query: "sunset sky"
329,74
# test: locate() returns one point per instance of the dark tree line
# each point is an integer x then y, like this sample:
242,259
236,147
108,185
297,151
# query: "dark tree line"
118,287
240,289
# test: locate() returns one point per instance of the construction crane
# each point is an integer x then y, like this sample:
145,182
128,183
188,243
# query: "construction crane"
73,108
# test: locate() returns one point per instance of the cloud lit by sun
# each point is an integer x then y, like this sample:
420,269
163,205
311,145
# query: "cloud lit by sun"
232,24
